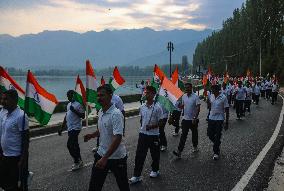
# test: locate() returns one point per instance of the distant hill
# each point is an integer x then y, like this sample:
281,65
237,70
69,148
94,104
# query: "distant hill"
69,50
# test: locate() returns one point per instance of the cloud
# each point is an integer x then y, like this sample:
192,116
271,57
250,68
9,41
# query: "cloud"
33,16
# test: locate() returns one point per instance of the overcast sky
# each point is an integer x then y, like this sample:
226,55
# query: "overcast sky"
33,16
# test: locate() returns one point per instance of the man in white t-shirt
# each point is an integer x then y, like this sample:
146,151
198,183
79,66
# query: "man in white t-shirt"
248,97
73,121
218,106
142,87
191,108
240,96
151,119
111,154
274,93
14,144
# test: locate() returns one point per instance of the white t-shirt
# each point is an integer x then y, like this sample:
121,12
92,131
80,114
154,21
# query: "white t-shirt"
249,93
240,93
110,123
11,132
153,113
74,122
256,90
190,104
141,87
218,106
117,101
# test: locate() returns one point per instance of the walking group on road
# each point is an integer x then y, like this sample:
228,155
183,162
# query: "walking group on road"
111,153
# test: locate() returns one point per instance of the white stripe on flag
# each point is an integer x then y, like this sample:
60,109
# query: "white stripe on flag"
45,104
7,84
114,84
91,83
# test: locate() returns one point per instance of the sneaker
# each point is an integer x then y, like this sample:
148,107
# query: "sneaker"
154,174
95,149
77,166
175,134
135,179
30,178
195,149
177,153
215,157
163,148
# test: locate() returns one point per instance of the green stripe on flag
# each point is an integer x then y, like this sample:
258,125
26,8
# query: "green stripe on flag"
166,103
77,97
92,97
21,102
34,109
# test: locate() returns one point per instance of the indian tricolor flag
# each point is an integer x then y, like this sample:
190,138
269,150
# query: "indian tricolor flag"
7,82
38,102
157,77
117,79
169,94
80,92
91,86
176,79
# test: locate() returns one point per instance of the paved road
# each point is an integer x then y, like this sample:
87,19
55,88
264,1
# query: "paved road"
50,161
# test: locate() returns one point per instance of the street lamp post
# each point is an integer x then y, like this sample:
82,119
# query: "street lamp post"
170,48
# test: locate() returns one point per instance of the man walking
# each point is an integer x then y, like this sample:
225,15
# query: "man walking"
151,119
191,109
14,144
111,154
218,104
73,121
240,96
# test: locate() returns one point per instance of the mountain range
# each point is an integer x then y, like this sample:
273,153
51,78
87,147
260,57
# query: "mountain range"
68,50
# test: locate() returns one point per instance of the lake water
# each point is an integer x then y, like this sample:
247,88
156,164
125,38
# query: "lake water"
59,85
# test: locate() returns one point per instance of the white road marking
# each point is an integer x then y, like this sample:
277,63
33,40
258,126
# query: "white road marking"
253,167
52,134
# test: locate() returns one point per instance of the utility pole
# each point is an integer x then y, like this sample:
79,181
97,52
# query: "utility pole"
170,48
260,59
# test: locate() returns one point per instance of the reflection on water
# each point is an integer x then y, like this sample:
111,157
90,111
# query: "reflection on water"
59,85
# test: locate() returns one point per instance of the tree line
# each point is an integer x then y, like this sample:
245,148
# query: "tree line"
253,35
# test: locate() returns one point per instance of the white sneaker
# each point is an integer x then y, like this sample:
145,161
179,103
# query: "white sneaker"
95,149
175,134
135,179
30,178
195,149
215,157
163,148
77,166
154,174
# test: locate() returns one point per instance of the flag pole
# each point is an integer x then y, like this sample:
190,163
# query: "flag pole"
23,170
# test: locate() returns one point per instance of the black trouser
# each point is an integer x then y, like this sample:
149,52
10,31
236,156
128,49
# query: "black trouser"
162,136
214,132
268,93
262,93
185,126
144,143
73,145
119,169
253,97
247,105
176,117
229,97
9,173
274,97
240,108
256,99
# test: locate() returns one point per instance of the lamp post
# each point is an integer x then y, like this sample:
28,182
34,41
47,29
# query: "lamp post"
170,48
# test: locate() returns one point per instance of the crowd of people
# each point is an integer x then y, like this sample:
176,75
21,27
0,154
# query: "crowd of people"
111,153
